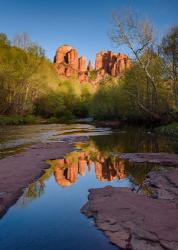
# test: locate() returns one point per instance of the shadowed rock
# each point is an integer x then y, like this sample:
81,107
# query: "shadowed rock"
89,67
155,158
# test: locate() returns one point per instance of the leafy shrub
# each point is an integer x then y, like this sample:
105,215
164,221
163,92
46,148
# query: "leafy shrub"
71,99
17,120
170,130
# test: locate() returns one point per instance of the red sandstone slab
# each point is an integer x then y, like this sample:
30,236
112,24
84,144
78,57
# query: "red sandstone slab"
155,158
18,171
133,221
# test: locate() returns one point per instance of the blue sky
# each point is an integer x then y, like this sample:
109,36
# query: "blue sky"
84,24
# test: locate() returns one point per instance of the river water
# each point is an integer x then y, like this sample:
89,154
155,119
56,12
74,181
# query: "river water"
47,216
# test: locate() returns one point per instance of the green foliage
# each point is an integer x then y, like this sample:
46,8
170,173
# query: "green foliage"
25,74
104,103
4,40
169,51
70,99
53,120
133,97
141,99
30,119
170,130
93,75
18,119
30,85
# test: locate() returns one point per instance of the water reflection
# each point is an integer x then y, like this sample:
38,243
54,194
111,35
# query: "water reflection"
97,156
135,140
15,138
67,171
87,158
55,218
79,163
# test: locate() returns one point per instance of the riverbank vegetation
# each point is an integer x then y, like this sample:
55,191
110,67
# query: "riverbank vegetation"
148,91
30,85
19,119
169,130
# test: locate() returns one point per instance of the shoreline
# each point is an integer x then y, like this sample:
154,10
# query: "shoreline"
123,215
20,170
137,221
164,159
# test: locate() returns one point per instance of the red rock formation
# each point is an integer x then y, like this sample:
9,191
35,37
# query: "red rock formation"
73,60
61,53
82,64
89,67
68,63
111,64
82,69
98,61
136,221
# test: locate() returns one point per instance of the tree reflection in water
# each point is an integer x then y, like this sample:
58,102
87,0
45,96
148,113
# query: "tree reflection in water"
107,167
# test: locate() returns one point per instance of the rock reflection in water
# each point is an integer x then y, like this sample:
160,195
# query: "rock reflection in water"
67,170
78,163
87,158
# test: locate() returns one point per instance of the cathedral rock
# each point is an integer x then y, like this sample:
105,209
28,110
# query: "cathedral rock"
112,64
68,63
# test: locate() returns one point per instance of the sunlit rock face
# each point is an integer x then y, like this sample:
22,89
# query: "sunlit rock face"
68,63
82,64
111,63
82,74
61,54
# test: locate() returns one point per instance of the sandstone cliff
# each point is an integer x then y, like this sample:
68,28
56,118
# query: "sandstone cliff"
68,63
111,63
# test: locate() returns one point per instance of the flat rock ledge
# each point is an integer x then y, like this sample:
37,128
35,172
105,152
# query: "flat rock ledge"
20,170
168,159
134,221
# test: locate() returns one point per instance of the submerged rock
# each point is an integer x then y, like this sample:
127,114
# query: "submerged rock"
134,221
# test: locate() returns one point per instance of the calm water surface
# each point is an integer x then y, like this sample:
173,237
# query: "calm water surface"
48,216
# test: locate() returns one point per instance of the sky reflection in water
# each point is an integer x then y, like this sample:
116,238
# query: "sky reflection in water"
48,215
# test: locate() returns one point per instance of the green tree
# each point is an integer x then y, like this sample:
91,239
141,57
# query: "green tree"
169,49
140,95
25,74
4,40
138,36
